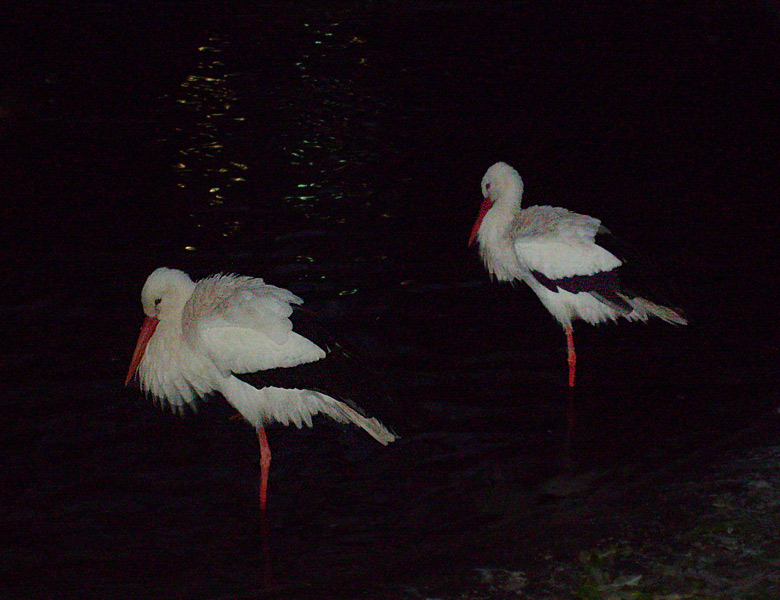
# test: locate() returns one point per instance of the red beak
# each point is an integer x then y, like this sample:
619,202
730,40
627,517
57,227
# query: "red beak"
147,331
486,205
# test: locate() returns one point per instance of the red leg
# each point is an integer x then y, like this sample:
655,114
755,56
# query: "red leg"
572,354
265,464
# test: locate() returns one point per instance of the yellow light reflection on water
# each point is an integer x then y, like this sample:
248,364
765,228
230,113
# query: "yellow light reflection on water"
211,172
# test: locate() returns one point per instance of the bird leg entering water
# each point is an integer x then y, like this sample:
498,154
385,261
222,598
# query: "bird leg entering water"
572,354
265,464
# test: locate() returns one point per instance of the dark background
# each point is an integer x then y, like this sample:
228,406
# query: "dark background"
338,152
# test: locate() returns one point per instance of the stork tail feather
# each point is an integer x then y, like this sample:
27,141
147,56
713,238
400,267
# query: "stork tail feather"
670,315
344,413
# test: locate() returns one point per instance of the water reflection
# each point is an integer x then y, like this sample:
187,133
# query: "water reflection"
315,116
331,130
211,173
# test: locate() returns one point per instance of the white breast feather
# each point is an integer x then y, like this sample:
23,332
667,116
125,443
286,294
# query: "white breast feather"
170,371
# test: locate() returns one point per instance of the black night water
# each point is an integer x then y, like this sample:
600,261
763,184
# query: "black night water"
338,152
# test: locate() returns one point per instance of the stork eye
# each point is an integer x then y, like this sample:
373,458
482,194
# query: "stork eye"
157,301
487,186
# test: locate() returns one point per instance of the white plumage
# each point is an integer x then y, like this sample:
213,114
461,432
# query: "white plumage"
197,337
556,253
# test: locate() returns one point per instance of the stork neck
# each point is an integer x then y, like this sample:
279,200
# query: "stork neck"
495,244
512,193
179,301
495,225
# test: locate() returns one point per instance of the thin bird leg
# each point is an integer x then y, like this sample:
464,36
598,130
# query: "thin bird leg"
265,464
572,354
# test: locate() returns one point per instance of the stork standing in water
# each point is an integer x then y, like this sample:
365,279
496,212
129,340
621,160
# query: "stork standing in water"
561,255
234,335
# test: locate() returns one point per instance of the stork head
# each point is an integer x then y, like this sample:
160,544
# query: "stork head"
163,297
501,185
165,293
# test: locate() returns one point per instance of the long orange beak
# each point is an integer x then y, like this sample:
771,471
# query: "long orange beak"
147,331
486,205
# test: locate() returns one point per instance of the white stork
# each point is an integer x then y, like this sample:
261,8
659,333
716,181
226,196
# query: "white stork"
234,335
561,255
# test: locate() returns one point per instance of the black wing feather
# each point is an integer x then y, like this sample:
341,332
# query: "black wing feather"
632,279
604,285
638,277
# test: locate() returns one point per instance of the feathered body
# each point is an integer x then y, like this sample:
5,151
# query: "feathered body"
224,326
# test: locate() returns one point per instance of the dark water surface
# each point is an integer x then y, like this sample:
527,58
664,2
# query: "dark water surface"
338,152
